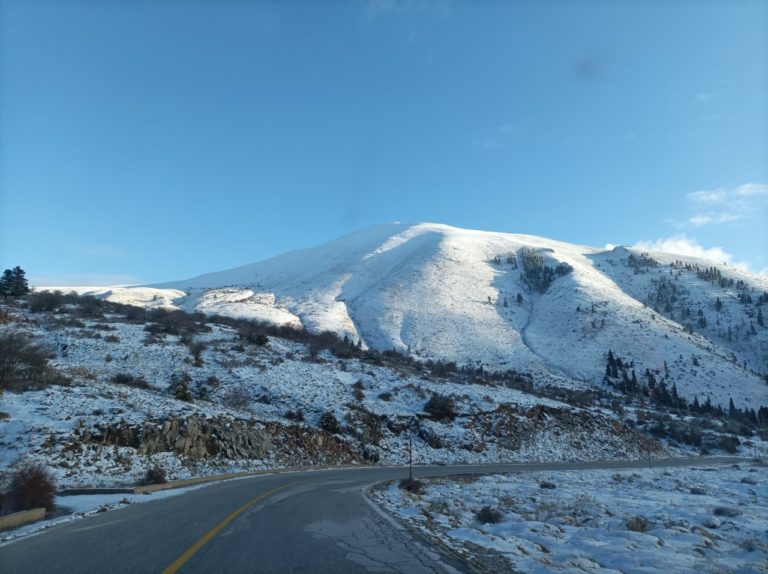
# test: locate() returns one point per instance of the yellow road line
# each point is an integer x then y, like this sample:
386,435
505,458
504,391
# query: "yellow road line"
181,560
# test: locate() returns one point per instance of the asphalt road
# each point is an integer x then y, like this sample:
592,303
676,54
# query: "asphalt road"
315,521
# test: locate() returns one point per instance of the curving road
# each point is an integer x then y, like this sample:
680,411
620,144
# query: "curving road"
314,521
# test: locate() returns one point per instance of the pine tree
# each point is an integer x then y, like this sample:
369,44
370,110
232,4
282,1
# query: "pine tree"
13,283
6,283
20,284
760,319
696,407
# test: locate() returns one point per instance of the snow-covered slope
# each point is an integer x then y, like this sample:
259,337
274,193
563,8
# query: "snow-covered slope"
507,301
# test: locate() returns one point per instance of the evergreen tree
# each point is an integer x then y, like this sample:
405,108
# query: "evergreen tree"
20,284
760,319
13,283
696,407
6,283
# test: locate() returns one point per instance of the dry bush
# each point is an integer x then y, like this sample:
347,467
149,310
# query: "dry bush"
637,524
155,475
237,398
412,485
32,486
24,363
488,515
130,381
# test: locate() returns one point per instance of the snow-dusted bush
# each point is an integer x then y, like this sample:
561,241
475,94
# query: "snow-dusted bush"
329,422
179,387
130,380
440,407
237,398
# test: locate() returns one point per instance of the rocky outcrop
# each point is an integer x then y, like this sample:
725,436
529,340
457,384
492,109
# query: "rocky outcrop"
199,438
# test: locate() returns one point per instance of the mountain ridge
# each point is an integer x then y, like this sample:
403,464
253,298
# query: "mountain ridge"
502,300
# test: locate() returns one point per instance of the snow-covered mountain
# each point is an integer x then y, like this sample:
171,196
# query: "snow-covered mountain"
507,301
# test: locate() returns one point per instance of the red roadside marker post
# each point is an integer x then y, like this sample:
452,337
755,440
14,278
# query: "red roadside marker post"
410,455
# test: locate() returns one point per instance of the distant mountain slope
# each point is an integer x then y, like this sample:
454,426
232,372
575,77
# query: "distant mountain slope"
510,301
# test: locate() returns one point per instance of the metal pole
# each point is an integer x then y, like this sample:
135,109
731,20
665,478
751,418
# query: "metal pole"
410,456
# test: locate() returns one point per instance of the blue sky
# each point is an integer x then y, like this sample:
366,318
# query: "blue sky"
151,141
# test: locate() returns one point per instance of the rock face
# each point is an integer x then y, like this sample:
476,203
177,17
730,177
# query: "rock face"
200,438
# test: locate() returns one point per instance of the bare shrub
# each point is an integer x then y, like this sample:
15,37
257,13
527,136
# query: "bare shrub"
24,363
32,486
237,398
729,444
488,515
412,485
155,475
297,415
329,422
728,511
130,381
637,524
42,301
440,407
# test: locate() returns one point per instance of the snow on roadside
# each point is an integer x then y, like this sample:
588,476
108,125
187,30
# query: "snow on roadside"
709,519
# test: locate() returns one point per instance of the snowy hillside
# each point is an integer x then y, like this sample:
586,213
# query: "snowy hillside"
507,301
126,390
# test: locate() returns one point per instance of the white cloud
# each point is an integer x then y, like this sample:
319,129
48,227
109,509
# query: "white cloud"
698,220
705,219
683,245
752,190
707,197
704,96
725,205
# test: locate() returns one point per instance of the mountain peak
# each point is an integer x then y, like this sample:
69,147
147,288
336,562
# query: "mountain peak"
504,301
